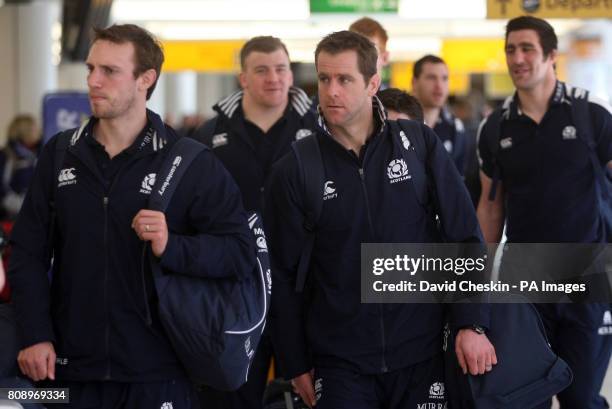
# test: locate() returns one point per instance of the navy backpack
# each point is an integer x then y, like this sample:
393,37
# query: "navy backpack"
214,325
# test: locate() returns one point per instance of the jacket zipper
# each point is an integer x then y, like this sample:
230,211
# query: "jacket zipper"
383,367
105,201
106,307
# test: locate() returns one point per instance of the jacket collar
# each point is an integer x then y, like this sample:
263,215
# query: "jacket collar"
377,106
561,95
154,140
298,100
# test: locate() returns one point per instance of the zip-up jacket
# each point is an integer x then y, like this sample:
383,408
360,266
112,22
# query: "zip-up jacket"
101,295
365,201
227,135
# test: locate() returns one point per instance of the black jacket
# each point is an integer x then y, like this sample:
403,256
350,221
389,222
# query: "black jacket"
227,136
365,203
94,309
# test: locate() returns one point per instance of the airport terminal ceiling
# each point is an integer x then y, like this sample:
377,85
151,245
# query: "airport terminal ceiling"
417,27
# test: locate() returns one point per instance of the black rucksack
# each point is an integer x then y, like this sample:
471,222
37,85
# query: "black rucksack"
214,325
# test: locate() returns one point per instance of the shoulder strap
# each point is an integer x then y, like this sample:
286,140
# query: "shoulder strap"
312,174
61,146
496,119
181,154
207,130
410,135
582,120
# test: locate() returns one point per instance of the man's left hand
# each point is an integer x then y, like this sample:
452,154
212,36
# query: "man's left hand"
150,225
475,353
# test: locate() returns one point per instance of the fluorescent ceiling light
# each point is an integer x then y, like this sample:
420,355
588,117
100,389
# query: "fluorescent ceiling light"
442,9
209,10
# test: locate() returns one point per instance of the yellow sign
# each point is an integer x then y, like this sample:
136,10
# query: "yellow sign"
505,9
401,77
498,85
203,56
474,55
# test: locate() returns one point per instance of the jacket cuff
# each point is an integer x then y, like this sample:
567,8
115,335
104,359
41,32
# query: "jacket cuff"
468,314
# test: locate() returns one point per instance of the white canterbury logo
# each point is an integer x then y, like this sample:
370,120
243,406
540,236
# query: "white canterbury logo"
302,133
66,177
405,140
219,140
329,191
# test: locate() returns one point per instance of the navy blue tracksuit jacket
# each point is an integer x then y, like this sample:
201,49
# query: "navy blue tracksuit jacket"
96,308
364,203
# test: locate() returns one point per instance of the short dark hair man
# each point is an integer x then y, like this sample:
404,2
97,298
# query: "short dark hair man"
94,329
400,105
539,176
361,355
430,87
253,128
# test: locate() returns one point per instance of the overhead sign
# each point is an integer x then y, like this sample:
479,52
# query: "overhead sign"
460,56
202,56
354,6
505,9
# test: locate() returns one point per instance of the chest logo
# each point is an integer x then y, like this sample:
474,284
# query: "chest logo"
302,133
219,139
569,132
506,143
147,184
329,190
397,171
66,177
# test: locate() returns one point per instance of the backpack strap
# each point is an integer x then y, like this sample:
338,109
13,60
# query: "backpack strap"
181,154
312,174
207,130
62,143
414,153
496,119
582,120
416,149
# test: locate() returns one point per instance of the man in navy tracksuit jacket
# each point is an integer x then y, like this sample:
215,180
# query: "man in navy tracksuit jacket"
254,127
430,87
363,355
95,327
536,155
